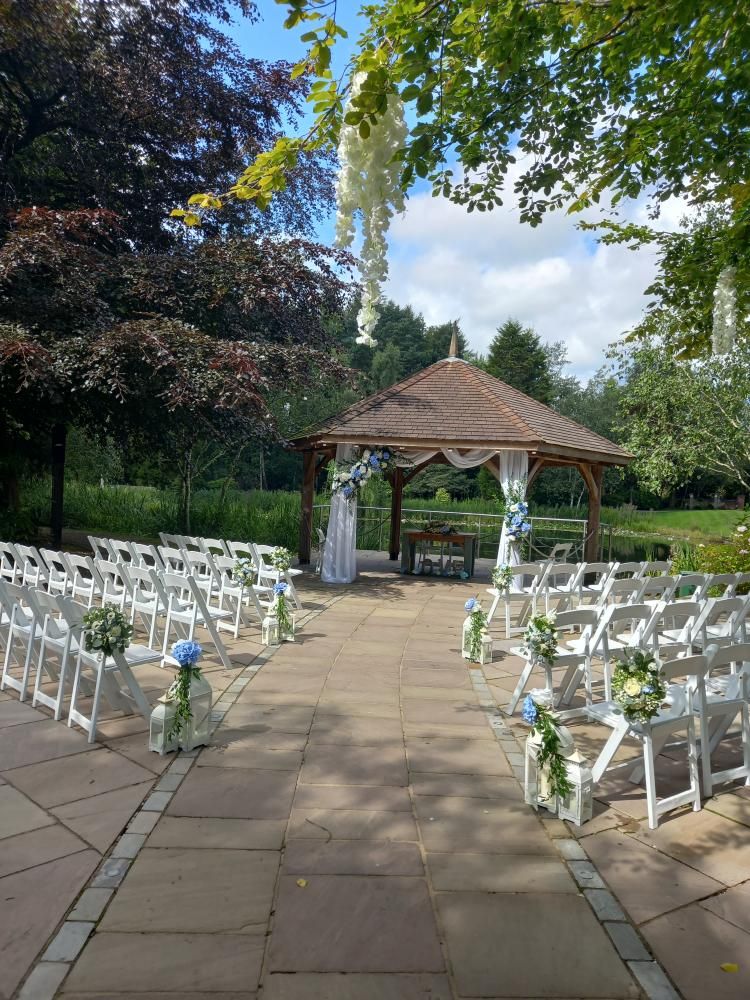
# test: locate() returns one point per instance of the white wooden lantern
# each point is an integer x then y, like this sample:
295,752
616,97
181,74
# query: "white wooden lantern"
537,788
287,634
485,650
162,721
271,634
196,730
577,807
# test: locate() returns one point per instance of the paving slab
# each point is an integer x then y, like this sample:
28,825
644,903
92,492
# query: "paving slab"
706,841
356,986
498,873
326,765
234,793
194,890
521,945
475,786
732,905
37,847
351,857
18,814
79,776
17,713
100,820
456,757
351,824
734,807
480,826
179,964
645,881
342,731
237,753
388,798
39,741
693,944
354,924
209,834
32,903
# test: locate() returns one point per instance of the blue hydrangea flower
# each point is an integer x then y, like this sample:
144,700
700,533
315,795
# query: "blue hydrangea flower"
347,491
356,473
386,454
647,689
187,652
471,604
525,526
529,711
280,588
374,462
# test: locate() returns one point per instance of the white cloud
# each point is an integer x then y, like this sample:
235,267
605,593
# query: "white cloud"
484,267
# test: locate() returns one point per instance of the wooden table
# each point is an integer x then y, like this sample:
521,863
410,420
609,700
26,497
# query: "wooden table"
466,540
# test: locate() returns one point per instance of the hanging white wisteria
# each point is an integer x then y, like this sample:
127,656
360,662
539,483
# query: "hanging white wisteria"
368,184
725,311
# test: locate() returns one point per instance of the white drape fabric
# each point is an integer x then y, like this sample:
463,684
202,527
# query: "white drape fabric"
340,550
514,471
461,460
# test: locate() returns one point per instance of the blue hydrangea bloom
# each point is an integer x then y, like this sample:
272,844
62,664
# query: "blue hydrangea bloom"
525,526
470,604
386,454
647,689
186,652
374,462
280,588
347,491
357,473
529,712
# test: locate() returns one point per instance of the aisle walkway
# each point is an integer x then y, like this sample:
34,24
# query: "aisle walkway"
355,833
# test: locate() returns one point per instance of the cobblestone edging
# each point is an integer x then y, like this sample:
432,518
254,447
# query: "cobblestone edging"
50,970
629,944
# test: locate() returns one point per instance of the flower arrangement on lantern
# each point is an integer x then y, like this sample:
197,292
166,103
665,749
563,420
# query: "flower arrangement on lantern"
281,559
475,628
106,630
243,572
187,653
543,721
502,578
280,610
540,639
370,462
637,686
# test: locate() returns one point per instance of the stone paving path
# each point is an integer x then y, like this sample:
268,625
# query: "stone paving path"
356,831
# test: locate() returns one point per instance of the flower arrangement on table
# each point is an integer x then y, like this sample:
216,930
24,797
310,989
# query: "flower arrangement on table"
502,578
243,572
371,461
517,525
281,559
637,686
540,639
543,720
476,629
280,609
187,653
106,630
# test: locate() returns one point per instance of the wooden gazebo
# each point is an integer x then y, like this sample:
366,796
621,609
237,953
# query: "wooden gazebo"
454,405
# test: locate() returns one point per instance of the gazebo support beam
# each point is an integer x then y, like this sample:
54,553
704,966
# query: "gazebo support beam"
307,502
397,493
592,475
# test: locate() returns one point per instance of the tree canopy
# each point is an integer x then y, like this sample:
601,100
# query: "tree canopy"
516,356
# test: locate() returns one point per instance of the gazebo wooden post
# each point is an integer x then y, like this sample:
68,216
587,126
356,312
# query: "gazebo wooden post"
308,500
397,493
592,474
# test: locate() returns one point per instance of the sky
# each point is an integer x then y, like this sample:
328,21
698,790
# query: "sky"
482,268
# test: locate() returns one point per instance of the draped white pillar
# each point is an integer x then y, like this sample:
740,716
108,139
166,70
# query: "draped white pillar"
340,550
514,471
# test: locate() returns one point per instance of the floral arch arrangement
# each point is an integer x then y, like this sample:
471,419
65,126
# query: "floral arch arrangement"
349,480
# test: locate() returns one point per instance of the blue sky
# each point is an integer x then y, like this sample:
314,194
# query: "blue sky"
483,268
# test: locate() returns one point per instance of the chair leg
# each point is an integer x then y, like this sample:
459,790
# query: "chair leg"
648,762
520,687
610,749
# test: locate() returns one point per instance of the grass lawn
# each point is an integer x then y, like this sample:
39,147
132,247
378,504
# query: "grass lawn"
693,525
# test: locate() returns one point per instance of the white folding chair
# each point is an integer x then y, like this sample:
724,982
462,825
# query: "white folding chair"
120,551
620,627
105,676
268,575
524,587
200,566
721,697
592,579
670,631
214,546
657,589
174,560
58,574
696,583
722,622
85,582
558,583
100,547
573,655
320,549
624,570
62,641
625,591
722,585
675,717
190,543
560,552
145,600
33,569
11,564
657,567
145,556
170,541
235,598
115,585
241,550
187,610
25,627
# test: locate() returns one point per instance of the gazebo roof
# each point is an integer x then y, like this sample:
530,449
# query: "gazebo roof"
453,404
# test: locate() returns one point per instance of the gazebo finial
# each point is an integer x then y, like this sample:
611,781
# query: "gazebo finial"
453,350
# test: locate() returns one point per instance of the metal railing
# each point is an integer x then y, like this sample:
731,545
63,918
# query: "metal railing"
374,528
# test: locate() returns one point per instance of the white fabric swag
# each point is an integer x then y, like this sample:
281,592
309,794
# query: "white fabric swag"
340,551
